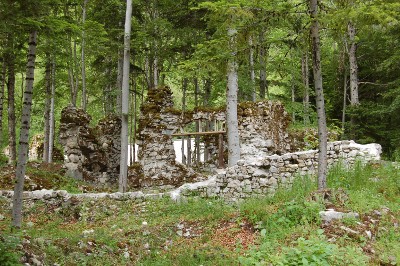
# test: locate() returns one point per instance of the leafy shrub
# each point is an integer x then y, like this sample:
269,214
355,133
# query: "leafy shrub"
317,251
3,159
8,257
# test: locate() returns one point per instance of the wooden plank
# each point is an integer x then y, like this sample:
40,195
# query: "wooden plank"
198,133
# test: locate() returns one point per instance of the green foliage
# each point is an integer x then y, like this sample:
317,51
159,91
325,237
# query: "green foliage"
8,254
318,251
3,160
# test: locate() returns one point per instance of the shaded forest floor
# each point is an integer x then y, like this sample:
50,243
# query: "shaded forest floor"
281,230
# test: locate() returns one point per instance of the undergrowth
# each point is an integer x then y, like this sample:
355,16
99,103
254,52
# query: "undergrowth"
286,227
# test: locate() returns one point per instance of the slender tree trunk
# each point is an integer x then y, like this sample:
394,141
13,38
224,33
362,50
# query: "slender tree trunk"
11,108
263,70
125,100
306,94
231,104
71,74
83,56
293,89
184,89
47,109
344,101
155,71
353,65
354,101
207,92
24,134
118,84
2,86
320,101
76,66
197,138
252,73
52,111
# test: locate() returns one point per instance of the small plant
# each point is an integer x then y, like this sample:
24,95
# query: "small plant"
8,256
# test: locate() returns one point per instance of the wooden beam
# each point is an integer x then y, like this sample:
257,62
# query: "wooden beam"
198,133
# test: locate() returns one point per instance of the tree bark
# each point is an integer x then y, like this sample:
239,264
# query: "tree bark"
11,108
52,103
320,101
184,89
83,56
125,100
47,109
118,83
2,86
353,65
24,134
263,70
252,73
231,102
306,94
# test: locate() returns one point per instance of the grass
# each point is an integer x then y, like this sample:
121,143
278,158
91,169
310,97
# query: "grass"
281,230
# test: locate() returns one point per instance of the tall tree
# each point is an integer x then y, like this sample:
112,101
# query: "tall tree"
320,101
2,86
231,101
123,176
24,133
83,65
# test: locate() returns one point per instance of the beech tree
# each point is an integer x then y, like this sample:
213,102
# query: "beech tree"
24,133
125,100
320,101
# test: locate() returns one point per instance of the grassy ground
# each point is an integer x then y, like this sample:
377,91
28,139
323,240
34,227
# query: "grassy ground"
281,230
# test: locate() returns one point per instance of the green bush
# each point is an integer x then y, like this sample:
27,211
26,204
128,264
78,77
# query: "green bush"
8,257
317,251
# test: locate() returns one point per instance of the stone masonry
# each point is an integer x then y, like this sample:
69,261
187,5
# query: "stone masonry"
156,152
91,154
262,176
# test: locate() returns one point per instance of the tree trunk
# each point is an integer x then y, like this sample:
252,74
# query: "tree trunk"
197,122
11,108
306,94
155,70
52,119
354,101
76,66
184,89
2,86
83,56
24,134
118,84
353,65
231,102
252,73
293,89
123,176
71,74
263,70
344,101
320,101
47,109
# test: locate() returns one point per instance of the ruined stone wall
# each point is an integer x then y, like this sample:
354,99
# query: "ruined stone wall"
263,176
156,152
91,154
263,128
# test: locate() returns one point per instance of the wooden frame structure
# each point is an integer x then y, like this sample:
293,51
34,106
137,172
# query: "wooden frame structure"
188,135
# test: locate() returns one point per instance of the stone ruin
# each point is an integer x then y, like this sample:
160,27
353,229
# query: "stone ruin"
268,160
91,154
157,165
262,129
